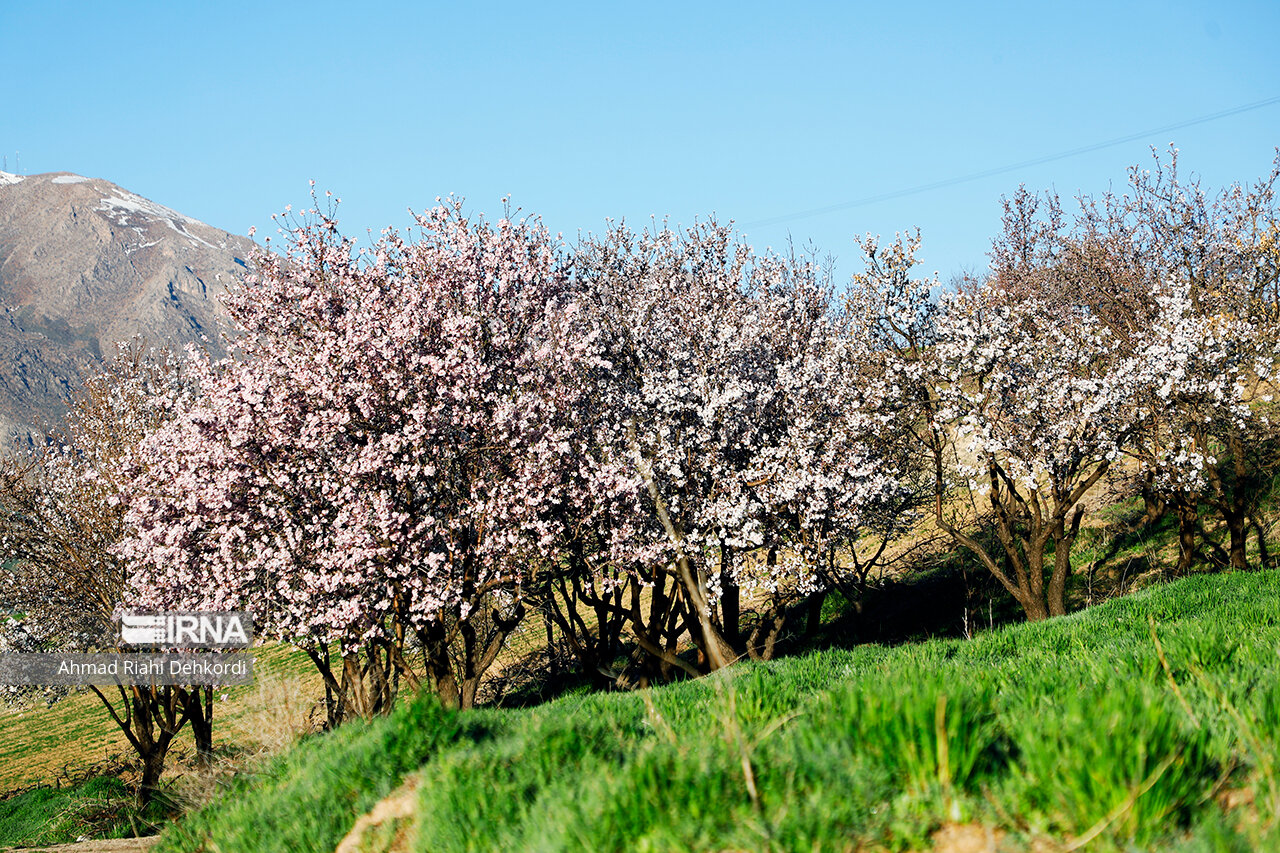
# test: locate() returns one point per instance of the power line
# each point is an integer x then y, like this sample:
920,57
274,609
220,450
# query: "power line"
1000,170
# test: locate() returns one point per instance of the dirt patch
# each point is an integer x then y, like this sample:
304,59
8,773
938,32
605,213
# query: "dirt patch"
388,827
967,838
107,845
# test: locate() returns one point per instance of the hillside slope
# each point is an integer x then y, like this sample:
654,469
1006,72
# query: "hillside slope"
1148,722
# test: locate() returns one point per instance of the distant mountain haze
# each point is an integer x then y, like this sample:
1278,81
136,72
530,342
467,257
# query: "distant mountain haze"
85,263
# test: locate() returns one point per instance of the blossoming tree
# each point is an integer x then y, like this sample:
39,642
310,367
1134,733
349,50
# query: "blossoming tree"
1188,279
366,470
735,397
61,521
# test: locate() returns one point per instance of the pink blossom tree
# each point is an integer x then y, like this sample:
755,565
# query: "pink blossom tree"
370,467
1023,393
1044,403
1217,441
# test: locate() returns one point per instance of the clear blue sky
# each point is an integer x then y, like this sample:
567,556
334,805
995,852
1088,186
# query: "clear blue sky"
581,112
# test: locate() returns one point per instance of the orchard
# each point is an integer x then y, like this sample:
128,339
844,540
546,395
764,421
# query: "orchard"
663,449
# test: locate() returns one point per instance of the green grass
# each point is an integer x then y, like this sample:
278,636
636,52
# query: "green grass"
102,807
1067,729
308,798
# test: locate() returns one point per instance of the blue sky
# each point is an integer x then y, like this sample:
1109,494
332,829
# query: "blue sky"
749,111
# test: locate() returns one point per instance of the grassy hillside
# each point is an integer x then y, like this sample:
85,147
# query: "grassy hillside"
45,745
69,771
1150,721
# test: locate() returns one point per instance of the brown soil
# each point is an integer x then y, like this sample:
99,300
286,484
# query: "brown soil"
967,838
112,845
388,827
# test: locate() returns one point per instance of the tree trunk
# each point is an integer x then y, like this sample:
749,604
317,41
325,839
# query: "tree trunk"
335,699
553,660
152,769
1238,531
762,644
354,687
157,715
448,691
149,718
438,663
714,652
1064,535
1038,601
1187,522
1154,503
813,618
1036,609
731,609
198,704
467,693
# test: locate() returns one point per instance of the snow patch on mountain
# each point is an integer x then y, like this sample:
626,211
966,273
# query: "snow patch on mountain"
127,207
70,179
6,178
122,208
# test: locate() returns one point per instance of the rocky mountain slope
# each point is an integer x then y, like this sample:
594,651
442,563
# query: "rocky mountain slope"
85,263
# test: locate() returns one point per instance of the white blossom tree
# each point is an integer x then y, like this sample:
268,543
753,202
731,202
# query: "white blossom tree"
738,399
1209,439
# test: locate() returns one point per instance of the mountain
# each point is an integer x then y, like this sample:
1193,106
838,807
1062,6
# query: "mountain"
85,263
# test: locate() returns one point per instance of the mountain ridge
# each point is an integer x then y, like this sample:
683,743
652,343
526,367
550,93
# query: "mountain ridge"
85,263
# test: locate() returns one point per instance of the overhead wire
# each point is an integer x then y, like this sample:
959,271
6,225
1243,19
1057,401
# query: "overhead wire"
1012,167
